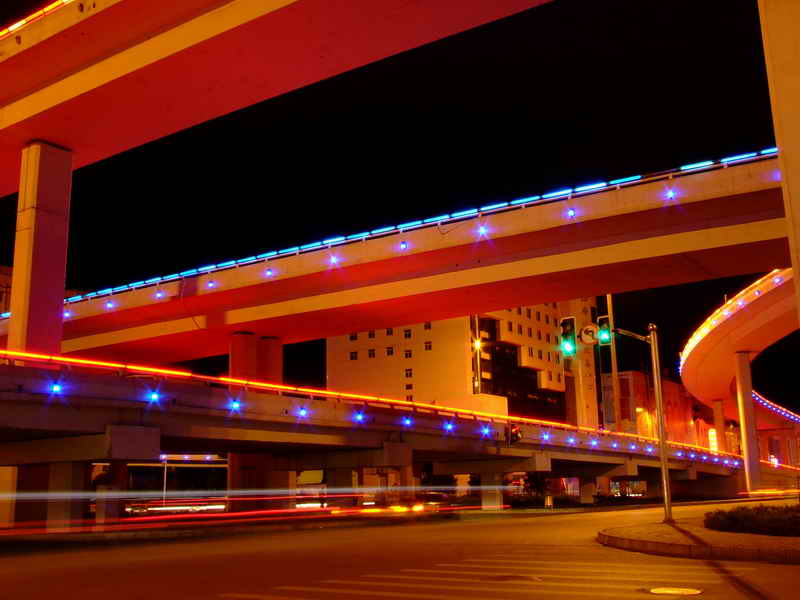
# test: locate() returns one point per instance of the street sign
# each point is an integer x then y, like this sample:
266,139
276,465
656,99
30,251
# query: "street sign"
588,334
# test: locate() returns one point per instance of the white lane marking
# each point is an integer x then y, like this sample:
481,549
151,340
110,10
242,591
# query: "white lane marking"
546,575
243,596
490,587
373,593
656,565
587,567
537,584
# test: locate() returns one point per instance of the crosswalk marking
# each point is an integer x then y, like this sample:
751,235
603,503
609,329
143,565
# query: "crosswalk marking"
517,588
665,565
603,571
691,579
653,568
371,593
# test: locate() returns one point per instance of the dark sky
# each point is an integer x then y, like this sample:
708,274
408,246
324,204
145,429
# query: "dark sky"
567,93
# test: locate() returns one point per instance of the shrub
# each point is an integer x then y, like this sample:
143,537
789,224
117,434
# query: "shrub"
767,520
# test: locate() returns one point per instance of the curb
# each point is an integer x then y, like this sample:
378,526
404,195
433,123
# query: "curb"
787,556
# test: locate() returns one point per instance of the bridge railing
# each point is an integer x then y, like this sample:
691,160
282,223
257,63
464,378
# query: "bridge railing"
312,406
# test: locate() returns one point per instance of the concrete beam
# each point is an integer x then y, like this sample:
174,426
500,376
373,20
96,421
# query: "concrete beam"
538,461
119,442
392,454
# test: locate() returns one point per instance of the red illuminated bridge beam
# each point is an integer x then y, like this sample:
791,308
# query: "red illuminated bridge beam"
105,76
650,233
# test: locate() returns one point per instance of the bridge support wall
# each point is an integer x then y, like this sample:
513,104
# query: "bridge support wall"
40,249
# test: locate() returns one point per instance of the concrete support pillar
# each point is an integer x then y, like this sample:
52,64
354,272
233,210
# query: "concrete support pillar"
253,357
246,472
747,421
343,481
270,359
719,424
62,512
588,489
243,355
282,483
109,506
8,487
491,491
406,480
780,20
40,249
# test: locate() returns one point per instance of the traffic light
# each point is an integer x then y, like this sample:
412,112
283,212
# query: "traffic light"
604,331
514,434
568,338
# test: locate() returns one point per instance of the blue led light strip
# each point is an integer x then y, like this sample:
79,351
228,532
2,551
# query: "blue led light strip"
560,194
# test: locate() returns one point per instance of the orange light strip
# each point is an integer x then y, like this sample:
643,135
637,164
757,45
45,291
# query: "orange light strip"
438,408
49,9
768,282
780,465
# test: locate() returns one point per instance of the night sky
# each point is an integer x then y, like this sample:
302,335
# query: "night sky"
564,94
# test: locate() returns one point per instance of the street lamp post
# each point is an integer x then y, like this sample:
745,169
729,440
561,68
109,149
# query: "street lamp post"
652,340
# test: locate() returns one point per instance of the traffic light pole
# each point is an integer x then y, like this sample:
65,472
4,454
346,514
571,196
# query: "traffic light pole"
652,339
615,399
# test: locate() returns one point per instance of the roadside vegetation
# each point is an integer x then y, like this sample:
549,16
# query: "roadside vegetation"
766,520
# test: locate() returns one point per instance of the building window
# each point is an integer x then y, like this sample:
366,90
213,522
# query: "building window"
547,319
538,316
530,351
371,334
407,334
556,340
528,312
548,358
389,331
519,310
409,398
539,334
354,355
409,373
558,377
389,350
550,376
519,329
558,358
510,326
407,354
540,354
371,353
428,345
547,336
530,332
409,386
427,325
555,305
353,337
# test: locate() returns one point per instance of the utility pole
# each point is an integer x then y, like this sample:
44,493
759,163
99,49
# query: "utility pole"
652,339
615,399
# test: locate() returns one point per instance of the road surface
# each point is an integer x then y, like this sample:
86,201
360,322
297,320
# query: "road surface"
488,557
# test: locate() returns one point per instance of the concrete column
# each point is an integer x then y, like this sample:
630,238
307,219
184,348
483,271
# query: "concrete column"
243,355
719,424
406,477
246,472
491,499
588,489
109,507
747,421
780,20
40,249
270,359
282,483
65,477
8,485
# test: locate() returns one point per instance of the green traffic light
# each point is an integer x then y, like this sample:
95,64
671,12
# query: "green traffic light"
605,335
568,347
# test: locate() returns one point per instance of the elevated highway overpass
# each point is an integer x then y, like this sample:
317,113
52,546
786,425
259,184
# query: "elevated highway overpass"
696,222
715,368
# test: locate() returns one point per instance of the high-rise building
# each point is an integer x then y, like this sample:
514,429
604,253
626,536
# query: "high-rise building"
5,289
507,361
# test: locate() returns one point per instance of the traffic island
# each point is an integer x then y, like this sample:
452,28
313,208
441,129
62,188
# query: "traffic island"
689,538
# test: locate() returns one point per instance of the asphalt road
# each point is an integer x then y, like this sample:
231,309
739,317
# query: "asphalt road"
497,557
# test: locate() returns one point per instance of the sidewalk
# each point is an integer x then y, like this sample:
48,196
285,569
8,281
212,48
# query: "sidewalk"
688,538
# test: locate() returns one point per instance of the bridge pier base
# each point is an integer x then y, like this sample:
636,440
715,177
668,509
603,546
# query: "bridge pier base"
40,249
56,511
249,471
491,491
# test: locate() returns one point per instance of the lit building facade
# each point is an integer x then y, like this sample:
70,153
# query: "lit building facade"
5,289
507,362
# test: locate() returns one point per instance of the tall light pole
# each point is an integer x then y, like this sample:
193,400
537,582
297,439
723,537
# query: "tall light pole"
652,339
615,398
